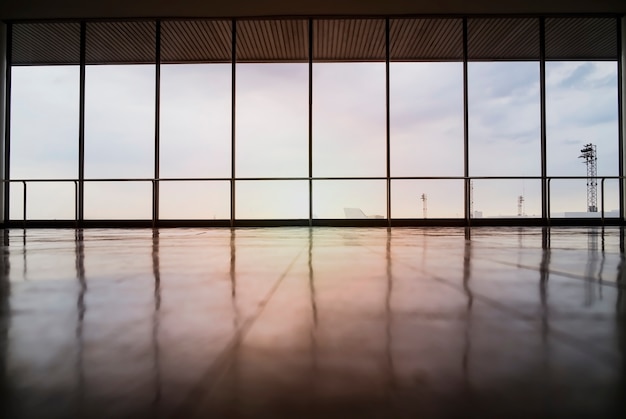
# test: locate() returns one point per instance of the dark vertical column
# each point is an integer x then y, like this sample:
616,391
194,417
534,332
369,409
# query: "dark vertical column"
157,125
4,99
80,198
7,122
310,122
388,123
542,89
467,187
232,121
621,97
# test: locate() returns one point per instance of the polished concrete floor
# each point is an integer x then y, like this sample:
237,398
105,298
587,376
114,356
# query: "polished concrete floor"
308,323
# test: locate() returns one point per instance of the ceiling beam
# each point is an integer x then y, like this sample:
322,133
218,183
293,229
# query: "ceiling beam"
97,9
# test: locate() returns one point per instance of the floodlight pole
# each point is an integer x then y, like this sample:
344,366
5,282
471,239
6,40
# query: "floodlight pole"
590,158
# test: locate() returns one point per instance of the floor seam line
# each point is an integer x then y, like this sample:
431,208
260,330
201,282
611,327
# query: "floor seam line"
222,362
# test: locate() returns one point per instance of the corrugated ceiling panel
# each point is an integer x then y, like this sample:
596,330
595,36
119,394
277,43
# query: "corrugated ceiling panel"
349,40
503,39
46,43
426,40
581,39
436,39
272,41
121,42
196,41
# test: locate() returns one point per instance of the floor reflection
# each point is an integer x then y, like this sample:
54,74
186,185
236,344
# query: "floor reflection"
156,272
5,322
467,275
391,378
80,319
310,322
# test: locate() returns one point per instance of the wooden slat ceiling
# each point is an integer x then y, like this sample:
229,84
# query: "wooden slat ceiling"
120,43
196,41
273,41
349,40
503,39
426,39
581,38
334,40
46,43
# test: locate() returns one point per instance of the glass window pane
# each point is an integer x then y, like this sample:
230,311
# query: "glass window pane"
44,201
568,199
501,198
44,140
280,199
44,122
349,122
16,206
272,120
352,199
504,119
196,111
581,108
195,200
441,198
119,121
118,200
426,105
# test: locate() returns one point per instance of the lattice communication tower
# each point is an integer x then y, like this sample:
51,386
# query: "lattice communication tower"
590,158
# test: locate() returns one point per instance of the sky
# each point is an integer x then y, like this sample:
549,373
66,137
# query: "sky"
349,137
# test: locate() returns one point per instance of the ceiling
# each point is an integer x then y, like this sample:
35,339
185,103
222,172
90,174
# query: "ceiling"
334,40
97,9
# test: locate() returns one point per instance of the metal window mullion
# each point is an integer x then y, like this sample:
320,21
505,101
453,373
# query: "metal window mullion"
545,195
388,123
80,198
466,200
310,42
157,125
7,122
232,120
620,114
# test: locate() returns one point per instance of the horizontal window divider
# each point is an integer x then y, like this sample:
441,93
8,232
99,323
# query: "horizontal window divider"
245,179
316,222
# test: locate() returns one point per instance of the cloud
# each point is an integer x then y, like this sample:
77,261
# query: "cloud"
578,76
584,111
517,81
